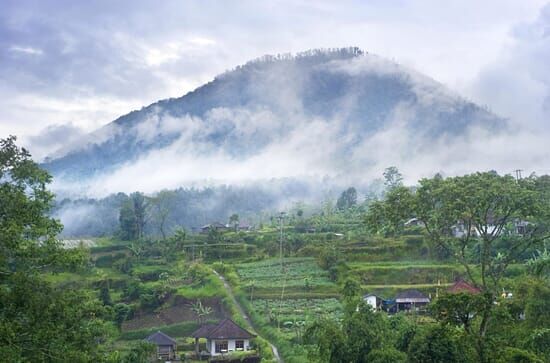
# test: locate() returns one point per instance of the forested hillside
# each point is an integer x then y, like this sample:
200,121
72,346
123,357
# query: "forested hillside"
449,270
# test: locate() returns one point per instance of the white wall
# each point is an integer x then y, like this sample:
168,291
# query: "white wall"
371,300
230,346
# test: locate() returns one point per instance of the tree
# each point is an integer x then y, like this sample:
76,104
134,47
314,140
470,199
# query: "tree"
122,313
142,352
388,216
141,206
234,221
458,309
347,199
105,295
127,221
351,290
487,206
361,332
435,344
162,205
392,178
39,324
387,355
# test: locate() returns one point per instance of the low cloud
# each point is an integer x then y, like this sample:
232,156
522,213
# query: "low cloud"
52,138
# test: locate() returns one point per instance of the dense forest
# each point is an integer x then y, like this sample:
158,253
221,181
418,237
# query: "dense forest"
303,277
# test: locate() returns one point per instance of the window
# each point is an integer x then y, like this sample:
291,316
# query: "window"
221,346
239,345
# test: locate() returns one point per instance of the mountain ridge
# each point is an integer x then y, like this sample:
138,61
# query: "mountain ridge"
245,111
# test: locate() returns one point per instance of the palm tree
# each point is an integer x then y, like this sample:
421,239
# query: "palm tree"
201,311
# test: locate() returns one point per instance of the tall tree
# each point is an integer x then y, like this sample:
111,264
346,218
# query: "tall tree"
234,221
127,221
487,206
392,178
43,324
162,204
347,199
141,206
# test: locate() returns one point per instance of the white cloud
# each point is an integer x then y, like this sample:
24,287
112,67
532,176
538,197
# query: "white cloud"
26,50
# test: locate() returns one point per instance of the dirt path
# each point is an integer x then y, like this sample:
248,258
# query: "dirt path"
245,315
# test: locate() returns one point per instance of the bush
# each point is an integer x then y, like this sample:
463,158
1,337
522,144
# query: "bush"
414,242
108,260
388,355
515,355
436,344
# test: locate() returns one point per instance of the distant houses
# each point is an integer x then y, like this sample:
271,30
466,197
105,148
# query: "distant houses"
462,286
224,337
217,226
408,300
411,300
220,227
374,301
166,346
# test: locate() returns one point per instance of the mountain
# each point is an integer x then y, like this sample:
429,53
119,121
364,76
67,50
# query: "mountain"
315,112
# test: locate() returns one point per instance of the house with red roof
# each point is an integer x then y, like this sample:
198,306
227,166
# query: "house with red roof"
463,286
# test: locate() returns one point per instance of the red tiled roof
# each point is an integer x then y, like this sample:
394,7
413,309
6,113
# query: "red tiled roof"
463,286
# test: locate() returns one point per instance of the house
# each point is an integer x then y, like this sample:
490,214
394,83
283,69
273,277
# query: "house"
244,226
373,300
411,300
166,346
220,227
224,337
463,286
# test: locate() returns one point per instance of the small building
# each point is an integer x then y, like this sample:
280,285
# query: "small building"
244,226
411,300
463,286
223,338
166,346
373,300
220,227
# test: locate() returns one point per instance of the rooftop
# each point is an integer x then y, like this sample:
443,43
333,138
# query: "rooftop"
159,338
225,329
463,286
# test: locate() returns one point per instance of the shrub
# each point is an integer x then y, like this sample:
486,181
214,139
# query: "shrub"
108,260
515,355
388,355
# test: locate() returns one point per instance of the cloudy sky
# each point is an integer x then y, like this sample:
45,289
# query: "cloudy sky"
69,67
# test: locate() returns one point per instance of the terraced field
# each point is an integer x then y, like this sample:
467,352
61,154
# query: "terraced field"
297,272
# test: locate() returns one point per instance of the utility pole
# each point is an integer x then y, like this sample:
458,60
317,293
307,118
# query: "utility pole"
518,173
281,219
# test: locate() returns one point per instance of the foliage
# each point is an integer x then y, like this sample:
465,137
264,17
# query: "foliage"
515,355
386,355
458,309
347,199
142,352
46,323
133,216
392,178
361,332
486,205
435,344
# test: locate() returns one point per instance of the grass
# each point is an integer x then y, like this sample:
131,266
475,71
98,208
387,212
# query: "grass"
294,314
175,330
298,272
